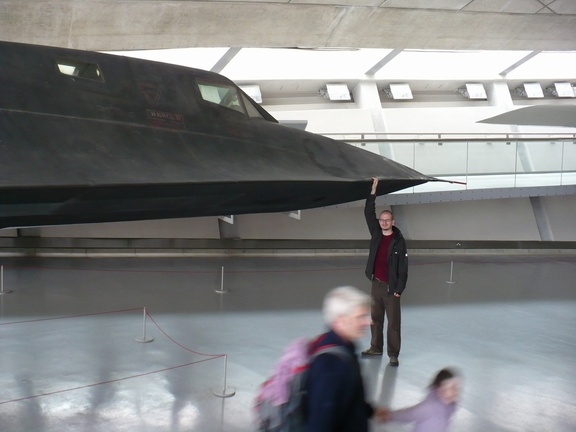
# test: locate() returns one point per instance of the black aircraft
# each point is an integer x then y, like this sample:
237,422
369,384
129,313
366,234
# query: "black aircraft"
90,137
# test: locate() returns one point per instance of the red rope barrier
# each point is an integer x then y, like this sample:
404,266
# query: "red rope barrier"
211,356
179,344
71,316
105,382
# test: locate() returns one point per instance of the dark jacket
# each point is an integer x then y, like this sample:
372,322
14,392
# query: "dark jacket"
397,254
336,401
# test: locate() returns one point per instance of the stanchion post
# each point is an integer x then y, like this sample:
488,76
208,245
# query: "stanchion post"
221,290
226,392
451,272
144,339
2,292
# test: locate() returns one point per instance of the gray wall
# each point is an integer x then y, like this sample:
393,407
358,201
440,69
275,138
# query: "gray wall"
498,219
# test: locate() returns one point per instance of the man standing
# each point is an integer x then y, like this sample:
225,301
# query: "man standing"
335,399
387,268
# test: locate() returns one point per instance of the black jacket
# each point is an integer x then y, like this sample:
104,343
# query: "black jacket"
336,399
397,254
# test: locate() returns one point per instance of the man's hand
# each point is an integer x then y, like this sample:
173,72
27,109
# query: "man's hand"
374,186
382,414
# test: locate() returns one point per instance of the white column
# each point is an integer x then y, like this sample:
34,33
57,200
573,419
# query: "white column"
499,96
366,97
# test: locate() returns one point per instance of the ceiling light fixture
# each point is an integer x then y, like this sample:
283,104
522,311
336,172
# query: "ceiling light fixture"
252,90
473,91
337,92
563,89
399,91
530,90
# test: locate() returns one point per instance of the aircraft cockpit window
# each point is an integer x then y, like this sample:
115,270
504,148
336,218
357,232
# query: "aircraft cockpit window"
221,94
250,108
81,69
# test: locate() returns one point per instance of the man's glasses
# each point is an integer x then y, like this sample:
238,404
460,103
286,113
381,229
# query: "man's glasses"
385,220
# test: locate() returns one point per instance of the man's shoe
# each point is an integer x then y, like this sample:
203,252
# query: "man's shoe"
371,353
394,362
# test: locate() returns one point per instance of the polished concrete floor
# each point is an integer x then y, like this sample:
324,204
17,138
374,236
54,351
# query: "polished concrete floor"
70,359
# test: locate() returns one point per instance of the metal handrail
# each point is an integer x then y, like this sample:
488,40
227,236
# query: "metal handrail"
521,162
379,136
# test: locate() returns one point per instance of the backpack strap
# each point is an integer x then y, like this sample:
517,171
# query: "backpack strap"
330,349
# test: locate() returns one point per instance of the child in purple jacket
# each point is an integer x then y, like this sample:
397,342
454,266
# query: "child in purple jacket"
434,412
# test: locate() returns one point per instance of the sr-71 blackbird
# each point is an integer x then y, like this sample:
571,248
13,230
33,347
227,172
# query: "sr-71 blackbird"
89,137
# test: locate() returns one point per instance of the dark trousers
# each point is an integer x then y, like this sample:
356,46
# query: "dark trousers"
385,305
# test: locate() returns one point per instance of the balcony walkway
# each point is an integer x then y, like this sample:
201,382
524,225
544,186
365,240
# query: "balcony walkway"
490,166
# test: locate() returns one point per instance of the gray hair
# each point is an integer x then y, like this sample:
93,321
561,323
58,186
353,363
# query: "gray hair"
342,301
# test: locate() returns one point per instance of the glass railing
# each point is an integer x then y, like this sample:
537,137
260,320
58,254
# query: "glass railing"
479,161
